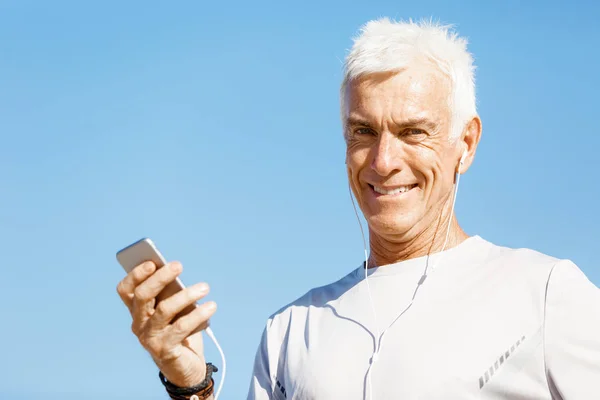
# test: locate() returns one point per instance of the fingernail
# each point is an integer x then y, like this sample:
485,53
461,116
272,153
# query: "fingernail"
201,288
175,266
211,306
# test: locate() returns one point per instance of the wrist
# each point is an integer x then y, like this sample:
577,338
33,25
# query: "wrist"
201,391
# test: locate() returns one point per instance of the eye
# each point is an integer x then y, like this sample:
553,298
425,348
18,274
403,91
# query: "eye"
363,131
415,132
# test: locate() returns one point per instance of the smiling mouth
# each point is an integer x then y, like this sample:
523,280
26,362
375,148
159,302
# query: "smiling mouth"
394,191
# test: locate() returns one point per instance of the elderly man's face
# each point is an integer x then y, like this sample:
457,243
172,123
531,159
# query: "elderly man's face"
400,160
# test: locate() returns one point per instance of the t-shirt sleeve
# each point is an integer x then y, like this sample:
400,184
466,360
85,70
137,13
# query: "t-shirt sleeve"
572,334
260,385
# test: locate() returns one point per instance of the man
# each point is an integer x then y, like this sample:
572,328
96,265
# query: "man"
438,314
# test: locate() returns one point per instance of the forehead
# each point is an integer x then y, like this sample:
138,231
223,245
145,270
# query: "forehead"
416,92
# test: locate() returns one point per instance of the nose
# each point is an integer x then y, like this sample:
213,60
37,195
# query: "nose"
386,154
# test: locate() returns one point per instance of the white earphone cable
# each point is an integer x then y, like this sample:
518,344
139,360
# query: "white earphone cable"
457,178
376,323
212,336
379,336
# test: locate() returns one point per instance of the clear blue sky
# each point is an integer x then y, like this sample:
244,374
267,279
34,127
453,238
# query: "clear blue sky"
212,127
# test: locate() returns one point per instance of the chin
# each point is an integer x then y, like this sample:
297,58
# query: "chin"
394,224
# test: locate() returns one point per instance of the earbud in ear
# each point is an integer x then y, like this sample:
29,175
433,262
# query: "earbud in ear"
461,162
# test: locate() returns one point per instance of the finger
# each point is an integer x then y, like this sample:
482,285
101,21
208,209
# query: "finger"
144,295
167,309
127,286
185,326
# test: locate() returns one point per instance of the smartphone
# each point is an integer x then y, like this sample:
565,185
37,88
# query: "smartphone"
145,250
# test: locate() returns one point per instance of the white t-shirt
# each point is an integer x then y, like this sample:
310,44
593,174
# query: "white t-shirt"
488,323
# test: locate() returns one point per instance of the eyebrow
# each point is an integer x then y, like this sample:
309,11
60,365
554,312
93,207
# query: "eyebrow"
358,121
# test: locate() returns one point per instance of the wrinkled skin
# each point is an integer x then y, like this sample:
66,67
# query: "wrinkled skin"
398,134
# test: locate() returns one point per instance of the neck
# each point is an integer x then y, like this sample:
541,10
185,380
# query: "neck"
441,233
385,251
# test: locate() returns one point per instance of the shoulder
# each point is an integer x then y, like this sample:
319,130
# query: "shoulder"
567,283
557,274
521,260
317,297
520,254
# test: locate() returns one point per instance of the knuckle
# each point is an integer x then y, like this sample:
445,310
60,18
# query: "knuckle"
135,329
141,270
140,294
167,274
144,339
121,288
190,296
146,267
185,324
137,274
163,309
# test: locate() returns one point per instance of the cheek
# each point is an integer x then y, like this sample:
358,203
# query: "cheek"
356,160
430,166
355,165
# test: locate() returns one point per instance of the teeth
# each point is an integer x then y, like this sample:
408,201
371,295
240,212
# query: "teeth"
401,189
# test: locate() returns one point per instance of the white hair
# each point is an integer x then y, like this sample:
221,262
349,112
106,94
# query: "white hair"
387,46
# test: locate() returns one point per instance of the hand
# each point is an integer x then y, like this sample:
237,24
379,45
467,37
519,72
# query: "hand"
174,344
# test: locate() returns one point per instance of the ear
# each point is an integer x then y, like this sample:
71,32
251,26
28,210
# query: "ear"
470,140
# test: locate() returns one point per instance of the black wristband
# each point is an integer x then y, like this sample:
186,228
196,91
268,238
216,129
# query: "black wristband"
175,390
